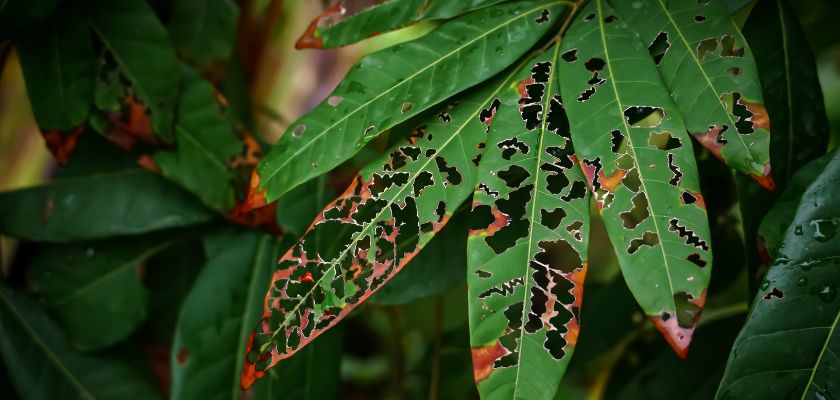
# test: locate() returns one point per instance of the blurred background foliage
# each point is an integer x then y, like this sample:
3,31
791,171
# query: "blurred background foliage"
411,341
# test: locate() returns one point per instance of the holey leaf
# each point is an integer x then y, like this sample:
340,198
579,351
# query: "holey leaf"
527,244
633,147
388,87
370,232
790,344
711,74
348,22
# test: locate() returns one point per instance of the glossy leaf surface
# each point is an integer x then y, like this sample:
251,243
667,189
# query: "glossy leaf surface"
345,23
83,207
43,365
218,314
367,235
59,65
527,245
792,91
140,45
796,311
204,30
631,143
207,144
389,86
710,71
94,288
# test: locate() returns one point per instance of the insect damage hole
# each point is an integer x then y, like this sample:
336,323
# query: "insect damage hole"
543,18
659,46
406,107
298,130
644,116
334,100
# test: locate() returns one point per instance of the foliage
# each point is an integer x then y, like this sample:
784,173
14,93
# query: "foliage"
485,168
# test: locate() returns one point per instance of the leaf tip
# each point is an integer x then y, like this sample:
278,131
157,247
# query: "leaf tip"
765,179
310,38
250,374
678,338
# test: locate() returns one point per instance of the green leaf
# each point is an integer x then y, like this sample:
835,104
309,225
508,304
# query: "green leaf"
96,206
389,86
796,312
633,147
206,142
18,14
94,288
710,71
792,91
528,241
312,374
43,365
772,230
345,23
440,266
59,65
217,315
204,30
389,212
139,43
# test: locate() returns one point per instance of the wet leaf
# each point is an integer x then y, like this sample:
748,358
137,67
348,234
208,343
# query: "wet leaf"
95,206
772,230
712,76
631,143
43,365
204,30
361,240
796,312
528,240
792,91
389,86
207,144
140,45
58,63
348,22
94,288
219,312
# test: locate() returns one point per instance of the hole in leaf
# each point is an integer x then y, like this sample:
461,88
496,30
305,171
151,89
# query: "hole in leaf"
406,107
728,47
695,259
705,47
569,56
687,311
659,46
638,213
699,18
644,116
664,141
649,239
552,219
514,176
298,130
690,237
334,100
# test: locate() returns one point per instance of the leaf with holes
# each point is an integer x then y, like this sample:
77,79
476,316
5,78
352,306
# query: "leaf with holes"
138,42
348,22
711,74
528,241
391,210
388,87
632,145
796,311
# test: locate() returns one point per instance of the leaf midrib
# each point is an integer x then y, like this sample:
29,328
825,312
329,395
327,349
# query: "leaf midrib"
51,356
819,358
457,50
706,78
632,148
370,224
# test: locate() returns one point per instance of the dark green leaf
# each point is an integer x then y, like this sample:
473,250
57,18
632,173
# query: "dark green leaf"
711,74
18,14
790,343
387,215
204,30
388,87
217,315
345,23
206,145
43,365
59,65
528,240
95,288
97,206
634,150
139,43
791,89
441,265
